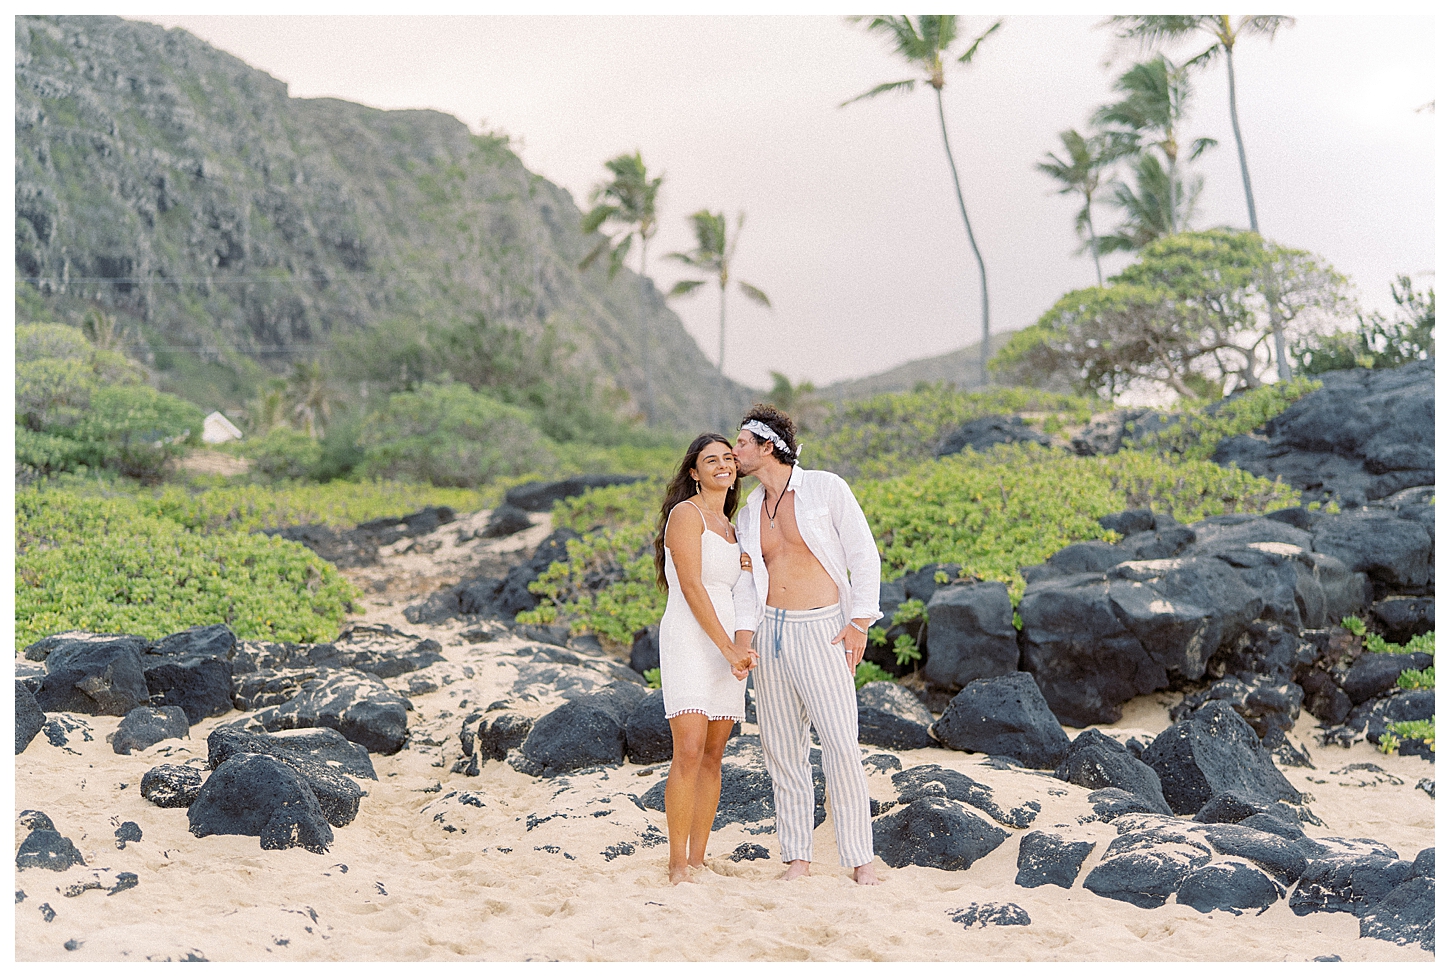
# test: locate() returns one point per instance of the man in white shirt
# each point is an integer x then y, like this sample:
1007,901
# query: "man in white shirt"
814,560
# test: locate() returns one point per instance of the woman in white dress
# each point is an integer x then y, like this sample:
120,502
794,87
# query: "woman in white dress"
702,671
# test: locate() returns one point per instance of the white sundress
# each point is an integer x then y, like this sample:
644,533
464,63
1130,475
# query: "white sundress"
694,675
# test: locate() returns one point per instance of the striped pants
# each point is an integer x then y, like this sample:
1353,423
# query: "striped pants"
802,681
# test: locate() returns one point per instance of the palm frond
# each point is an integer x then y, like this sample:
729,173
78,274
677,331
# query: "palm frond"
890,86
1151,30
597,216
1200,146
684,288
593,255
754,294
1263,26
972,51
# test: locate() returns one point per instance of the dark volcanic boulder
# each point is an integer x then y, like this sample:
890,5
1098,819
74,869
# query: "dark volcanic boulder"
505,521
1374,673
1128,522
969,627
541,496
505,731
513,594
1233,807
1213,751
343,548
1406,915
1096,761
146,726
934,832
1396,554
1425,864
933,780
200,685
322,746
1044,858
47,848
1347,884
258,795
647,736
982,915
1144,878
891,716
1279,856
747,796
1110,803
29,720
982,433
1004,716
94,674
355,704
203,640
644,654
1231,886
584,732
1085,660
171,785
1402,618
1091,556
390,529
378,649
1269,707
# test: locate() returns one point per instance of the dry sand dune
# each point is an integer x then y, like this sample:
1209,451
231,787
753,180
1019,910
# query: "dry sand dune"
502,866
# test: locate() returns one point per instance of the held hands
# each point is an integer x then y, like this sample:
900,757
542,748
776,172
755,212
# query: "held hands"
854,642
741,659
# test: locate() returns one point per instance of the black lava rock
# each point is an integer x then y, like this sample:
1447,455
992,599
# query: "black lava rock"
128,831
1375,673
505,731
1405,915
647,736
261,796
1044,858
541,496
1128,522
505,521
1214,751
1232,807
1231,886
584,732
29,720
890,716
1402,618
1143,878
354,703
987,914
94,674
1004,716
1096,761
746,852
644,654
47,848
1347,884
1396,554
932,780
1113,802
971,635
146,726
1281,857
201,685
171,785
322,746
982,433
1425,864
934,832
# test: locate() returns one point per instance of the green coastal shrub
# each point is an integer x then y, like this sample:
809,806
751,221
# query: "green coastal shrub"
1198,434
447,434
104,564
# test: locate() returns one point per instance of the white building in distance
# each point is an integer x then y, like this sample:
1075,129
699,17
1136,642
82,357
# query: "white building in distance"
216,429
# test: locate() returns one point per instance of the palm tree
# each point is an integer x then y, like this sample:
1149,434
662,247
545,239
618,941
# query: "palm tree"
922,45
713,252
1087,158
627,203
1161,28
1155,101
1151,207
312,397
268,410
100,328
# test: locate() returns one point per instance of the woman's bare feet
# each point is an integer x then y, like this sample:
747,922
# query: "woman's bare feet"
796,869
866,875
681,874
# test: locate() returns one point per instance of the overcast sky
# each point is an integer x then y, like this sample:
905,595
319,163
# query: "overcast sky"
852,228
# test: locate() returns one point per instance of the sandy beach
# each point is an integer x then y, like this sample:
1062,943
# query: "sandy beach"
504,866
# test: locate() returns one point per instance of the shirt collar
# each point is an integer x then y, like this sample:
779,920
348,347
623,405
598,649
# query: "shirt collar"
791,484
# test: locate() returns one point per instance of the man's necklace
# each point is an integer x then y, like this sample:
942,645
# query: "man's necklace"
778,500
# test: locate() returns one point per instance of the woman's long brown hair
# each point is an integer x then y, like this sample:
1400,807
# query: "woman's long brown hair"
682,487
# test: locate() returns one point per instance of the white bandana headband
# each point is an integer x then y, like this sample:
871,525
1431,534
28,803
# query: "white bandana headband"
760,430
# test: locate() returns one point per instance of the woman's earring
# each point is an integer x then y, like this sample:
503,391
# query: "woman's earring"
697,486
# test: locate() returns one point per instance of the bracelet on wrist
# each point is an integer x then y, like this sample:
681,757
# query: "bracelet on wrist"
857,626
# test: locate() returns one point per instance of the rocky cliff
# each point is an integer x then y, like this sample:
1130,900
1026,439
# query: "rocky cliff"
185,192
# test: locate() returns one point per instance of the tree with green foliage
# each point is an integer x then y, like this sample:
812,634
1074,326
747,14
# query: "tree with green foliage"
922,45
799,400
1378,342
1191,315
1148,118
627,204
312,397
1087,157
713,252
1155,29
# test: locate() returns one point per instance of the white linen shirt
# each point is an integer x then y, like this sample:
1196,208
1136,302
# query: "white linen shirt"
835,531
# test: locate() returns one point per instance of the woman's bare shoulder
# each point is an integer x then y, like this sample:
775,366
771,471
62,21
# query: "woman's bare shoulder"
687,513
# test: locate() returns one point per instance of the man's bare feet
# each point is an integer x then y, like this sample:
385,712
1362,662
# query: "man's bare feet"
796,869
866,875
